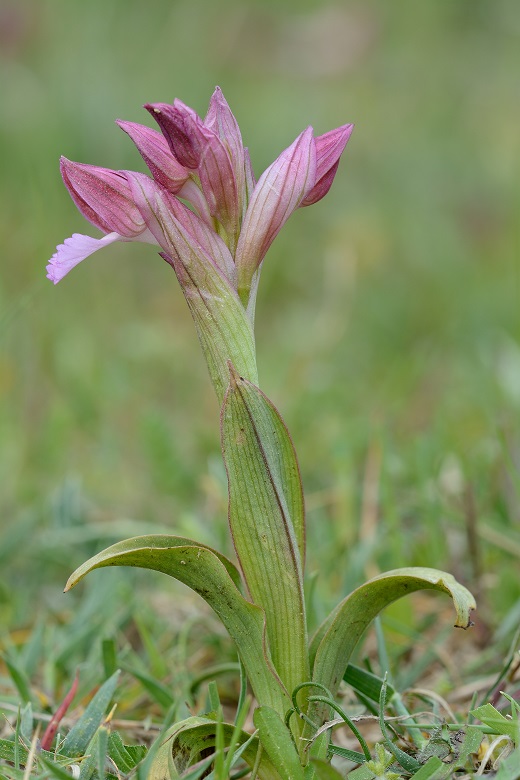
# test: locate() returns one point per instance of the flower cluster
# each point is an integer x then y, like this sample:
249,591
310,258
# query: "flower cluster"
202,201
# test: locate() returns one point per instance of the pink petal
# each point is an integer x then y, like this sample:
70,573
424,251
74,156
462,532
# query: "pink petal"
218,181
177,123
249,175
103,197
73,251
156,153
329,148
177,229
220,119
193,193
279,191
199,147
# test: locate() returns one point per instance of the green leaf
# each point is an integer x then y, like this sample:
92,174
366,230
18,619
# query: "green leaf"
361,773
509,768
266,519
18,677
337,637
9,750
277,742
471,744
406,761
81,734
430,769
124,757
183,745
500,725
102,750
26,723
351,755
324,771
95,755
213,577
109,654
12,774
57,770
366,683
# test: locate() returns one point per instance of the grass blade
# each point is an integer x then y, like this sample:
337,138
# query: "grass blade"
81,734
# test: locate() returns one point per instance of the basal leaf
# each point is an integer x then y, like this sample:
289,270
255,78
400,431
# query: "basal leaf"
335,640
266,519
213,577
277,742
183,744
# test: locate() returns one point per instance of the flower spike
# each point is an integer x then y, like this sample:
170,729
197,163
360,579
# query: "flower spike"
204,208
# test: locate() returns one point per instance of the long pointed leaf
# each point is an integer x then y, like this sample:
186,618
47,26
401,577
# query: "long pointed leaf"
213,577
266,519
78,738
277,742
335,640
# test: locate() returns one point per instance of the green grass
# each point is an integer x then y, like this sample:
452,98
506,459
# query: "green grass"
388,323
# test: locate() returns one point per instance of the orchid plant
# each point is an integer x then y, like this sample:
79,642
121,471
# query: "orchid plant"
214,223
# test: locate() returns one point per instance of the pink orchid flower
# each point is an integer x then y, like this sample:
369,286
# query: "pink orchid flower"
231,220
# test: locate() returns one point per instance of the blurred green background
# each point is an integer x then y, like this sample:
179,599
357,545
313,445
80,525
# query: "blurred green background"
388,323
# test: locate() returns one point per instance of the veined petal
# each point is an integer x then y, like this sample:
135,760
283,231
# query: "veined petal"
193,193
177,123
199,147
249,175
220,119
219,184
73,251
103,197
156,153
279,191
329,148
177,229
